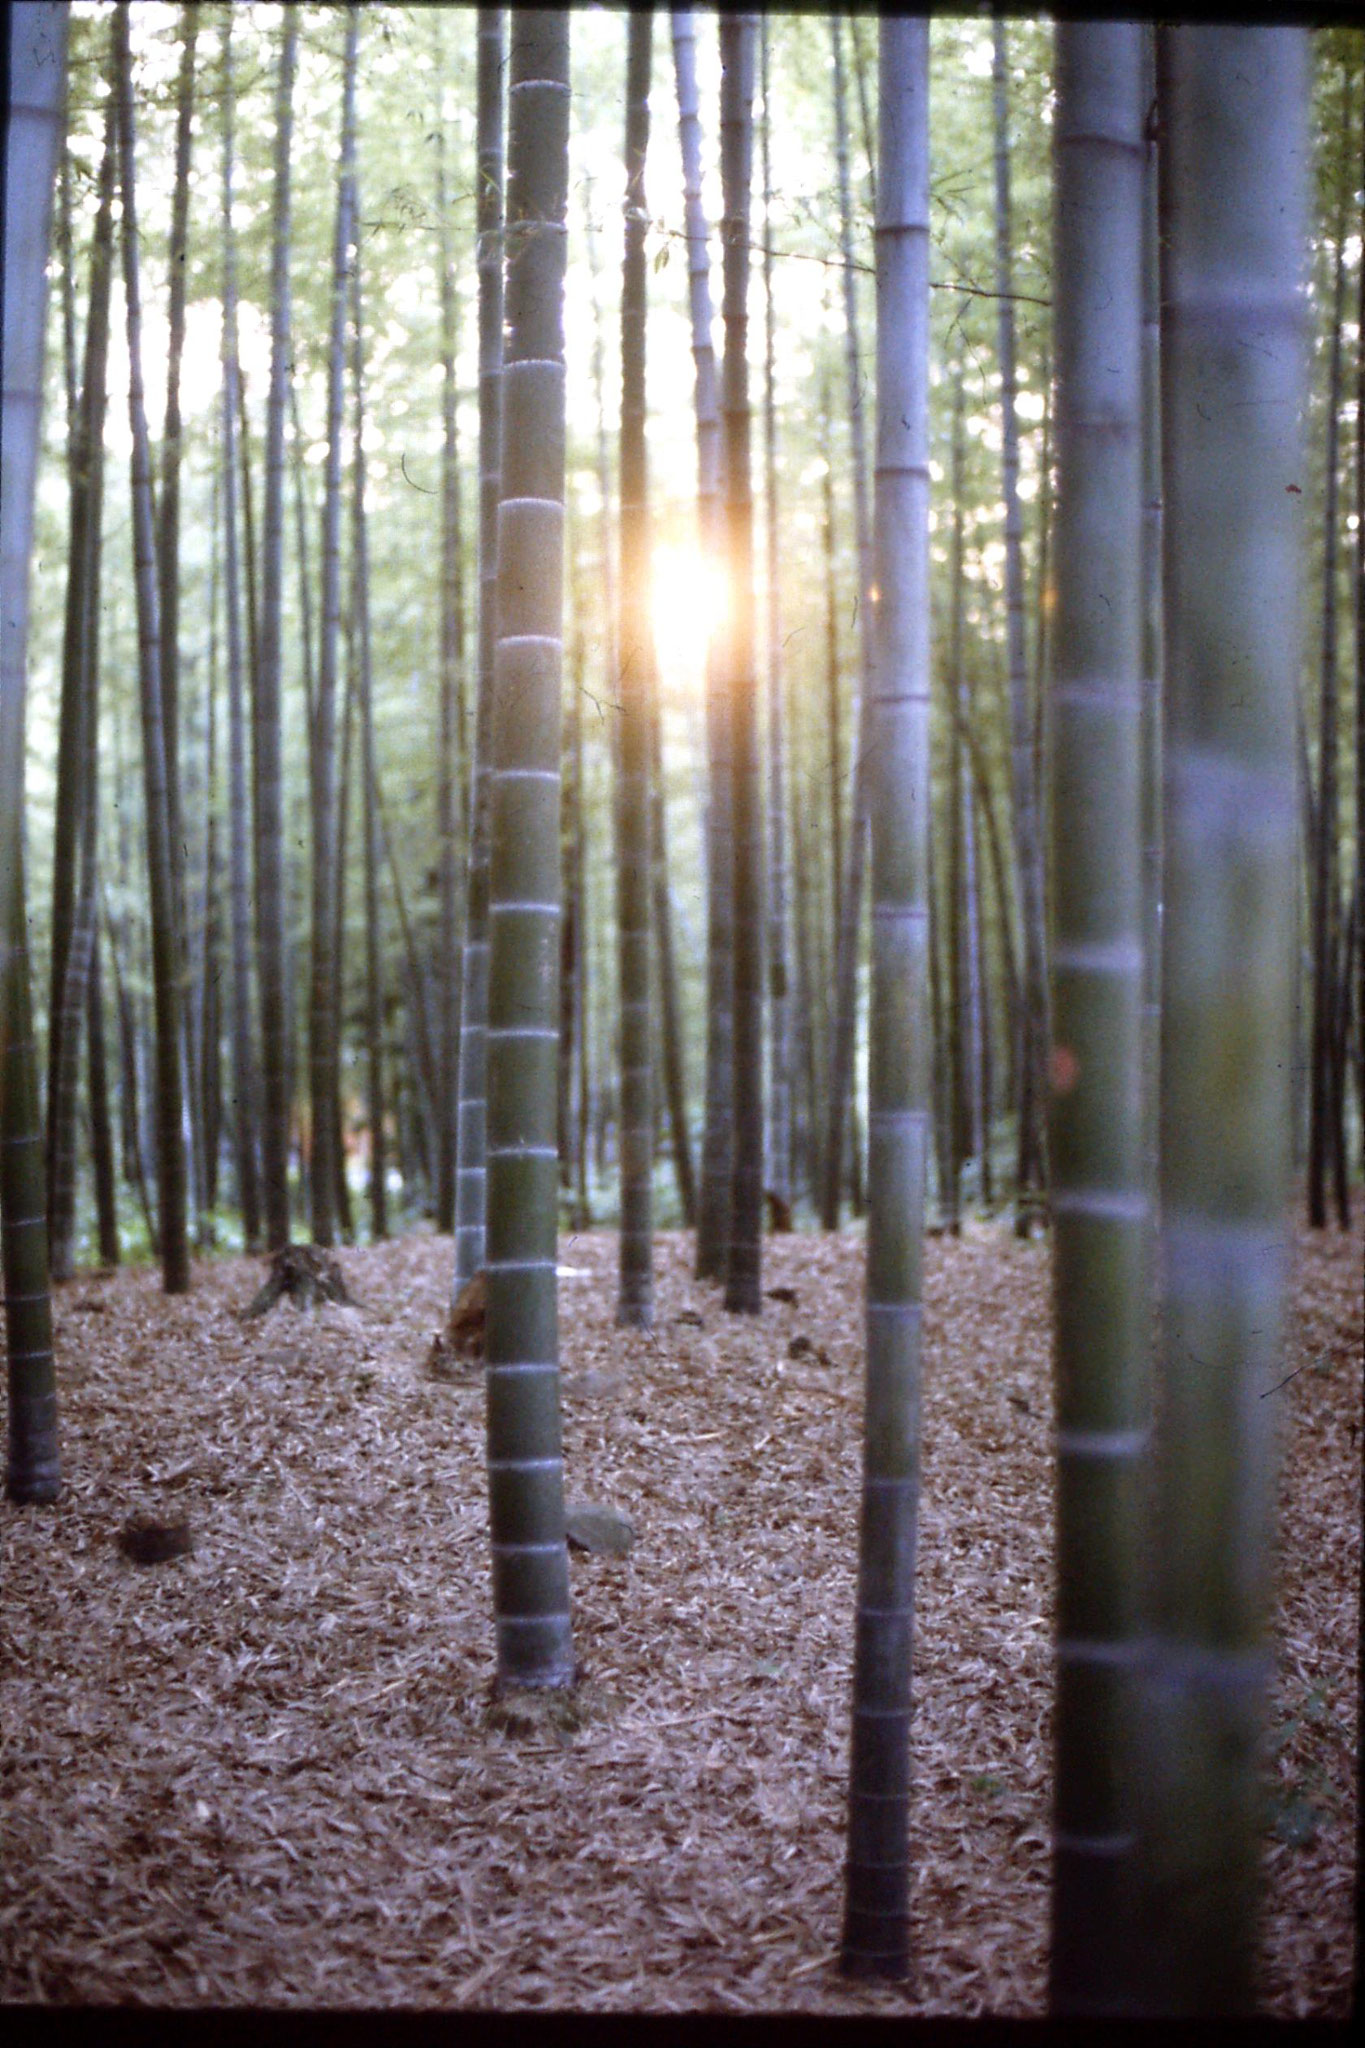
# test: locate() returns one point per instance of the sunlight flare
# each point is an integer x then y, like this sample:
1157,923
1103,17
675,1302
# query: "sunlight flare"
687,604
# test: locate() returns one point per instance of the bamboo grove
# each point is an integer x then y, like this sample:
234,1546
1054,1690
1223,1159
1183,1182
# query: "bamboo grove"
432,790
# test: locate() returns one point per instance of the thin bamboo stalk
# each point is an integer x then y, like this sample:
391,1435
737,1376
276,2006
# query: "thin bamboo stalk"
876,1912
713,1207
1032,1018
744,1247
452,743
239,815
850,883
323,1009
471,1122
166,983
779,1127
268,796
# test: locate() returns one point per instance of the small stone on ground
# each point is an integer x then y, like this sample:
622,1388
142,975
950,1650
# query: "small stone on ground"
602,1531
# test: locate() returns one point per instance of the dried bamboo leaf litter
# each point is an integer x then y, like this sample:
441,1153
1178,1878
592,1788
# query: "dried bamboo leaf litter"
266,1772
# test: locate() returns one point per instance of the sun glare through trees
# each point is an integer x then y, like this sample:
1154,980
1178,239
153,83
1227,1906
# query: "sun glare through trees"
682,739
688,608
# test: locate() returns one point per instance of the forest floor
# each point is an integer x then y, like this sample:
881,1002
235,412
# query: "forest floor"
267,1772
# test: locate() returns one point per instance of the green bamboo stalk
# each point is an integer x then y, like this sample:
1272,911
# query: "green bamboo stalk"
977,1031
470,1172
876,1932
167,523
209,961
834,771
324,1008
345,783
571,922
166,984
744,1247
670,1007
779,994
266,677
713,1210
168,504
1151,645
101,1130
1234,157
1358,582
525,1456
1099,1197
1358,586
69,958
243,1064
635,684
66,265
1032,1020
940,1074
954,922
452,736
428,1072
305,585
363,673
37,81
808,1038
577,887
1326,1136
849,880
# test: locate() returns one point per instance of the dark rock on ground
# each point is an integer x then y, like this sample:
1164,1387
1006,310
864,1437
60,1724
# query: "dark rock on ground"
145,1540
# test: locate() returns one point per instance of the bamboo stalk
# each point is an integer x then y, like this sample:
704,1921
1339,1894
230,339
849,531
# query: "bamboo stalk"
36,37
471,1118
525,1445
876,1930
1234,155
744,1247
635,683
1099,1195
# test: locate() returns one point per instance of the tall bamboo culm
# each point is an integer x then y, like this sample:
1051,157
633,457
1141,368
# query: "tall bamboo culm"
849,880
470,1141
525,1456
1032,1029
1326,1124
324,1010
744,1248
1099,1199
779,994
453,736
72,848
172,1188
876,1932
1234,154
364,692
713,1208
242,1026
267,761
1151,643
37,77
636,683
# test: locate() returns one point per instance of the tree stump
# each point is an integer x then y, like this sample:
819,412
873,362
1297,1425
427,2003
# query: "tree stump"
308,1276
